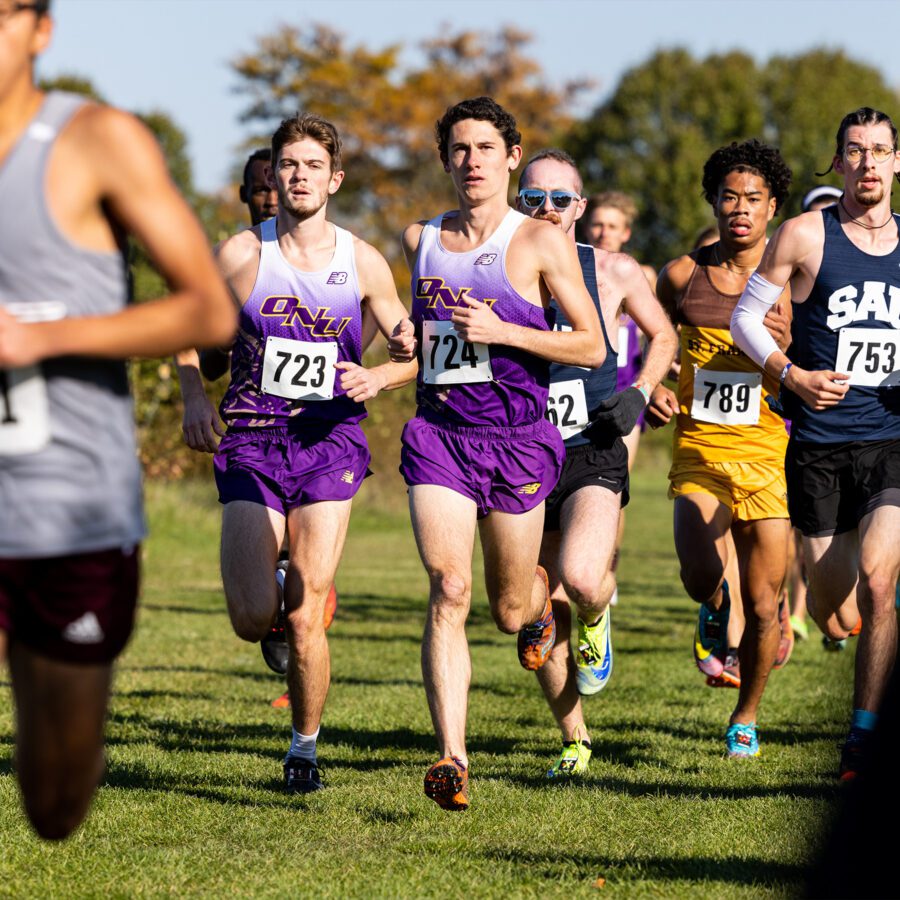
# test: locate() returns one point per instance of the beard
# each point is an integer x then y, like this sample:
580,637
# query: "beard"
552,216
301,211
869,198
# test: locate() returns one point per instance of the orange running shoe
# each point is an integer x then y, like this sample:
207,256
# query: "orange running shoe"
786,641
282,702
447,783
730,676
857,628
331,605
537,639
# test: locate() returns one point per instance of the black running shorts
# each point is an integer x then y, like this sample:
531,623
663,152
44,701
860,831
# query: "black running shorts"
831,487
587,465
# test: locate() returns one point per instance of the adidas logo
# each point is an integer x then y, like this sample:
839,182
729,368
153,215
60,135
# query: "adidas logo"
532,488
347,477
84,630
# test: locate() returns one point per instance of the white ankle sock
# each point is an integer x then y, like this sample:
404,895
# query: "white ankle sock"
304,745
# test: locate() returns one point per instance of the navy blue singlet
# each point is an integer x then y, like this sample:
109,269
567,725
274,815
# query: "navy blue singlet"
598,383
852,290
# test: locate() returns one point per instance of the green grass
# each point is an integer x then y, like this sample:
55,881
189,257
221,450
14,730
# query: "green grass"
191,804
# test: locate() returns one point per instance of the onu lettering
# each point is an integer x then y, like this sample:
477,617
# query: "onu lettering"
435,291
879,301
291,311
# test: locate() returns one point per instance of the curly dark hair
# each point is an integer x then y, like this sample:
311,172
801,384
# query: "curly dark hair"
484,109
752,156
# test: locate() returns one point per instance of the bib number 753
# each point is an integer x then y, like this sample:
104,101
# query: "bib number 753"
870,356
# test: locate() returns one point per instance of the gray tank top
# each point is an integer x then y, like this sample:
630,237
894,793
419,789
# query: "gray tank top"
69,475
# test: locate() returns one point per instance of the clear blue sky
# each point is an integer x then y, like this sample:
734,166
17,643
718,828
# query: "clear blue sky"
173,55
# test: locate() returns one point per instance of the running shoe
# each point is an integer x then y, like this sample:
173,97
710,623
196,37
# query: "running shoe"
855,754
800,629
282,702
302,776
595,655
857,628
786,640
447,783
331,605
730,676
572,761
274,645
833,646
710,636
741,741
537,639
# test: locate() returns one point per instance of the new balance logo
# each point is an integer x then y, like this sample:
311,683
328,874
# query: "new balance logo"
347,477
532,488
485,259
84,630
337,278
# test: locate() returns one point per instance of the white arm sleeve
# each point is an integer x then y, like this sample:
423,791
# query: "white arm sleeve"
747,327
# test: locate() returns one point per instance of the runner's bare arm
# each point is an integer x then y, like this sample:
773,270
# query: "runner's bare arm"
402,339
379,294
128,177
560,271
649,316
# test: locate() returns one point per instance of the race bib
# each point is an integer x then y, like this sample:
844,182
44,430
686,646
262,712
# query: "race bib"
622,358
24,411
299,370
567,407
24,404
870,356
726,398
448,359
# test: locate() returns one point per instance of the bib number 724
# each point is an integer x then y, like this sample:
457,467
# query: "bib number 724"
448,359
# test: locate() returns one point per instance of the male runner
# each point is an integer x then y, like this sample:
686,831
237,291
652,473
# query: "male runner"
843,460
294,454
480,449
582,512
728,452
75,178
608,217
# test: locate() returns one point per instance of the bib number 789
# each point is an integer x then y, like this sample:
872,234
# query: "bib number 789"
726,398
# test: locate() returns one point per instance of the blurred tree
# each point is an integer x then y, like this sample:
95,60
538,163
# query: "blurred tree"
667,115
386,112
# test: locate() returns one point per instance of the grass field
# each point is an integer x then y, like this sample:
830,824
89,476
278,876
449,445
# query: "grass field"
191,804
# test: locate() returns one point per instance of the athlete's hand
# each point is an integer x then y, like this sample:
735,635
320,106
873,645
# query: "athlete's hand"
779,326
477,323
200,424
663,405
20,343
818,390
402,342
360,384
618,413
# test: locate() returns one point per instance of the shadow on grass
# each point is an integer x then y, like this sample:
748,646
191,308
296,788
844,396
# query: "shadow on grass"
739,870
262,675
149,694
193,610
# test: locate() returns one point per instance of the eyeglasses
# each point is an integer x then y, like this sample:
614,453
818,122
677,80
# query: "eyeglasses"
880,152
8,10
533,198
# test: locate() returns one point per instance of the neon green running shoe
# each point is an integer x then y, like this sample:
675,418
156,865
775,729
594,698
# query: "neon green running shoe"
595,655
572,761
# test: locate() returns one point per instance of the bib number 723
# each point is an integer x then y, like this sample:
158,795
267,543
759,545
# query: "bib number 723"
299,370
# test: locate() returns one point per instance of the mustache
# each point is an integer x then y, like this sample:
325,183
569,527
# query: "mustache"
550,216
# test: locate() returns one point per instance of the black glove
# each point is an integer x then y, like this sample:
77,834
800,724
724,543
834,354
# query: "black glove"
617,415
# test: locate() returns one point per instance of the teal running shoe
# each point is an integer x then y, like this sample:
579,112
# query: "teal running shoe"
741,741
711,636
595,656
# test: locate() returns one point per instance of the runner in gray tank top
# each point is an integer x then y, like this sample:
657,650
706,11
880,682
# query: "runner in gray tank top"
75,178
